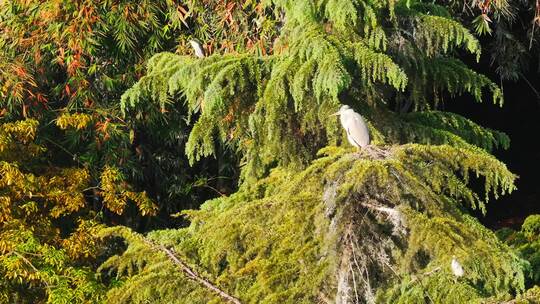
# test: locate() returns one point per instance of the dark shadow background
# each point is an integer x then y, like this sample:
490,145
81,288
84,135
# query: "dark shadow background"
519,118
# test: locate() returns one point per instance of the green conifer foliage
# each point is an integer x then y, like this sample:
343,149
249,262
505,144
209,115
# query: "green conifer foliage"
347,229
380,226
376,227
527,243
67,64
73,162
274,108
511,32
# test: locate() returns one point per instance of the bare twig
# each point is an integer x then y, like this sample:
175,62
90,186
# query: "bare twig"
214,189
426,292
324,299
349,237
360,271
22,257
532,88
427,274
382,209
354,283
192,274
375,152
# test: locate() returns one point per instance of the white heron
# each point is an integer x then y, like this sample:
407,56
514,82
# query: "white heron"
354,124
457,269
197,47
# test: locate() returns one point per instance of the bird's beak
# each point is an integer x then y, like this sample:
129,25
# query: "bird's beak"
335,114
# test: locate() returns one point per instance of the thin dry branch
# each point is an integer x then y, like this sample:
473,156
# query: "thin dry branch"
387,210
395,217
377,153
27,261
192,274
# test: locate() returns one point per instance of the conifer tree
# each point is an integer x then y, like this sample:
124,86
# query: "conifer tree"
510,31
314,222
68,161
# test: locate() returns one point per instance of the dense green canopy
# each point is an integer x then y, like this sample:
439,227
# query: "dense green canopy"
100,159
347,229
381,226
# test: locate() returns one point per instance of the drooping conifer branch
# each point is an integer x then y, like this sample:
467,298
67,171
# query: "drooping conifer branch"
192,274
399,209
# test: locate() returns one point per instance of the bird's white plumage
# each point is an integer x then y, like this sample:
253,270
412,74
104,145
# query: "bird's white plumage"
457,269
355,126
199,51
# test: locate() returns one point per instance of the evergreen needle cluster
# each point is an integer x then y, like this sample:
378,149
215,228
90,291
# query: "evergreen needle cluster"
341,228
96,152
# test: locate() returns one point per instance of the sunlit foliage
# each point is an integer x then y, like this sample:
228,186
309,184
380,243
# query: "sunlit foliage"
90,138
48,230
376,227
